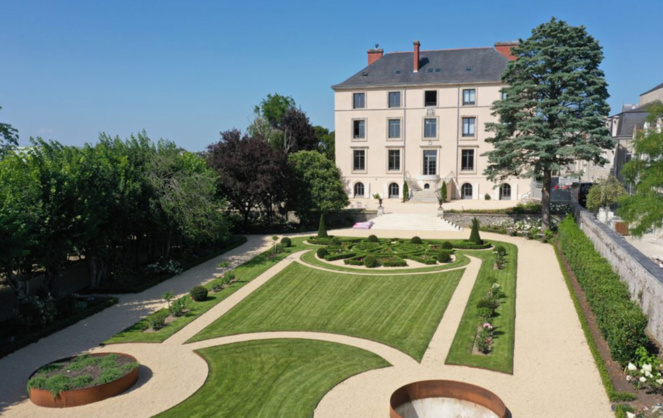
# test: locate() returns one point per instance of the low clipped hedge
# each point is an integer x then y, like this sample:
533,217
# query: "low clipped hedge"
467,245
422,259
392,261
620,320
341,256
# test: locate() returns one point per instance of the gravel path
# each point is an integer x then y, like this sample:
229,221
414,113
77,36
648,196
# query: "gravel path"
554,373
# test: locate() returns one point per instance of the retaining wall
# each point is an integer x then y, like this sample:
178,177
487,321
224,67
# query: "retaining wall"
643,276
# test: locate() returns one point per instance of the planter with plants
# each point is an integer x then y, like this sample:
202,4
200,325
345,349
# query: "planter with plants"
83,379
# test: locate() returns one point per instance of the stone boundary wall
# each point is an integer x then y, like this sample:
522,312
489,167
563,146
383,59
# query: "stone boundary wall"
643,276
486,219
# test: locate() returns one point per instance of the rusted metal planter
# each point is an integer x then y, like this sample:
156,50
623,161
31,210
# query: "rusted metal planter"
446,389
78,397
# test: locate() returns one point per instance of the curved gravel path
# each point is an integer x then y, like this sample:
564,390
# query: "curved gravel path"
554,373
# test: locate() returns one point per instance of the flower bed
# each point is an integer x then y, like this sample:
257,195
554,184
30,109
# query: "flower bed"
81,380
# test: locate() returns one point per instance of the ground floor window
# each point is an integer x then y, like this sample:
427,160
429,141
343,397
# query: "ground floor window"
505,192
393,190
359,190
466,191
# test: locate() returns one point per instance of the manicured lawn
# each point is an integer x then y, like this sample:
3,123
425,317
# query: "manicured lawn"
310,258
400,311
272,378
244,273
501,358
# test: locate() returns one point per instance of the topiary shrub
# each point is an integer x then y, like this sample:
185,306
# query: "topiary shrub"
474,234
443,257
406,192
198,293
447,245
370,261
286,242
415,240
322,252
322,228
500,250
335,241
372,238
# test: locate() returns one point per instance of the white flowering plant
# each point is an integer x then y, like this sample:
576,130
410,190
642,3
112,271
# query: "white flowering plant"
645,372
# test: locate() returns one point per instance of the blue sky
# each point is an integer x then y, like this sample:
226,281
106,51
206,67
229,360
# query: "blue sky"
185,70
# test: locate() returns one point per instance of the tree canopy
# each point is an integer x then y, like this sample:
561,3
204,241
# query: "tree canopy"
644,208
554,109
604,193
8,137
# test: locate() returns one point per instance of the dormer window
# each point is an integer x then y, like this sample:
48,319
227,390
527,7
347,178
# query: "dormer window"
430,98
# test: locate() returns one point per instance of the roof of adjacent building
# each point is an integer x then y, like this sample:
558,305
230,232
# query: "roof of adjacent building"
660,86
631,120
451,66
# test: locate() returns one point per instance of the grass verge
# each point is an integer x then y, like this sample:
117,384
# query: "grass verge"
272,378
501,357
400,311
244,273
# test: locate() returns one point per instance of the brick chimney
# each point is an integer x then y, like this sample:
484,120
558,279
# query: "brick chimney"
416,56
504,48
374,54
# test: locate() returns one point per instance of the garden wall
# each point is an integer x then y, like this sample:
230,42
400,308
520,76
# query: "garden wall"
486,219
643,276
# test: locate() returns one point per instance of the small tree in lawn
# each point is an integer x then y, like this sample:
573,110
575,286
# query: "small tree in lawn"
474,234
604,193
644,208
322,228
554,110
406,192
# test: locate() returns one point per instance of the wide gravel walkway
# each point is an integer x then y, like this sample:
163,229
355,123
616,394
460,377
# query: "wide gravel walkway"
554,373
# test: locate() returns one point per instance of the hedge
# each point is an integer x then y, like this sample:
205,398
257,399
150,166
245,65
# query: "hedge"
421,259
620,320
341,256
467,245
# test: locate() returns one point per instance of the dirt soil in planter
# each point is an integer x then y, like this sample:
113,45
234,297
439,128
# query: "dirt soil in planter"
94,370
615,370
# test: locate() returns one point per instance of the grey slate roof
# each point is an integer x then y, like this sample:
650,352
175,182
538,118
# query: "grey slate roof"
660,86
487,65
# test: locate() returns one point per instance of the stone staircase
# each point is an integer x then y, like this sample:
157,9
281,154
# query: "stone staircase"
424,196
413,222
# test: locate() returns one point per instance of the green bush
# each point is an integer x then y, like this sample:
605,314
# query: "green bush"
198,293
322,228
620,320
178,306
474,234
443,257
286,242
335,241
340,256
370,261
415,240
447,245
500,250
372,238
322,252
467,245
158,319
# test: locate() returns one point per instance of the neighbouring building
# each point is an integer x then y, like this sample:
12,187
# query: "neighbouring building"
419,118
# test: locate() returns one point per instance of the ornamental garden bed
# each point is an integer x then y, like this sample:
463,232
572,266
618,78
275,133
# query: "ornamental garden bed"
83,379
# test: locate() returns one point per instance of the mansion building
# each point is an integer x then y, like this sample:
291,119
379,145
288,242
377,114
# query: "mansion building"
419,118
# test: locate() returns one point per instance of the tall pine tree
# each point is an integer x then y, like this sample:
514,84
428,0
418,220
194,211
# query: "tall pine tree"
554,109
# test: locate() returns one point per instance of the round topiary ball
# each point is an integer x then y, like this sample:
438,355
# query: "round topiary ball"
443,257
198,293
372,238
415,240
286,242
447,245
370,261
322,252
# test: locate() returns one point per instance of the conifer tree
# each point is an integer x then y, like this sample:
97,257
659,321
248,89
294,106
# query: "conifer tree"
322,228
474,233
554,109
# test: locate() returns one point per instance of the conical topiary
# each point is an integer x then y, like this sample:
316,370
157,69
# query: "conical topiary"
322,229
443,191
474,235
406,192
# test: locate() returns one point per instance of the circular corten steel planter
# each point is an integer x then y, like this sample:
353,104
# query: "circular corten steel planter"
446,389
78,397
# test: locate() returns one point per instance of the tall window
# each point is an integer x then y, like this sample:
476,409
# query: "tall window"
430,128
466,191
430,98
358,100
394,128
358,129
359,163
359,190
394,99
469,97
505,192
468,126
393,191
394,160
467,160
430,162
